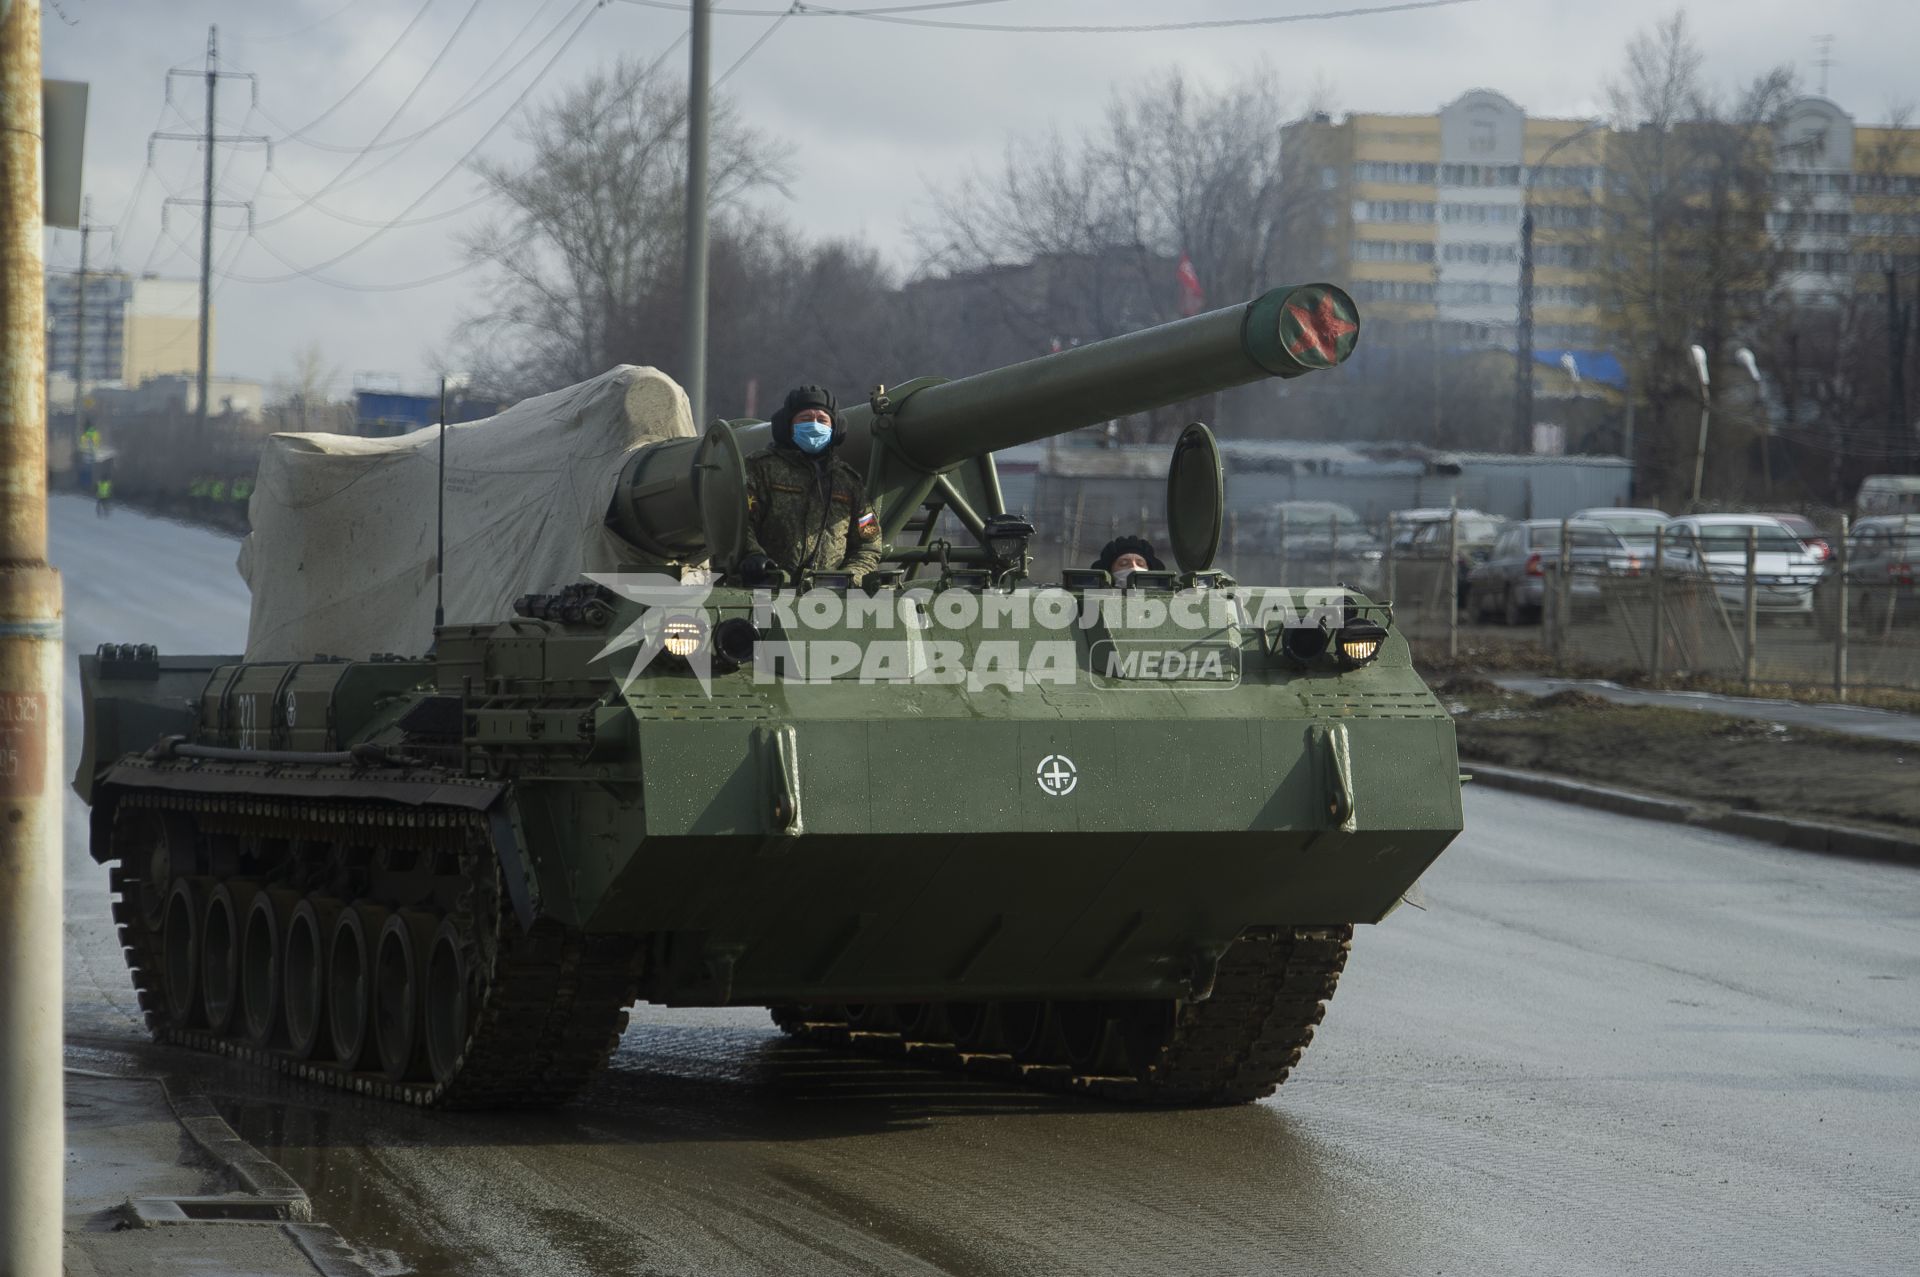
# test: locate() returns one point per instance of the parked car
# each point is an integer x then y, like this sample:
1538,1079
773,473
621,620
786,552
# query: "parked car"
1809,533
1785,571
1637,527
1883,562
1408,524
1888,494
1473,542
1513,581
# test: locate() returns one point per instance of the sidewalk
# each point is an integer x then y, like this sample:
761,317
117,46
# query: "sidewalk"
1827,716
156,1186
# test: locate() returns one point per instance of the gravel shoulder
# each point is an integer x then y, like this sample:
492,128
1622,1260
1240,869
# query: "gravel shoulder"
1744,764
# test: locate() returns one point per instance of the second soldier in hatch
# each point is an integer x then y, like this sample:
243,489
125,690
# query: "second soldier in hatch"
807,510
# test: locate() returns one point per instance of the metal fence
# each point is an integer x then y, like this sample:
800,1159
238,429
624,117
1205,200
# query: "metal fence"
1854,625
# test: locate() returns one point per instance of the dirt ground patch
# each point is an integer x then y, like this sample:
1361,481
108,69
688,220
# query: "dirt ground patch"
1745,764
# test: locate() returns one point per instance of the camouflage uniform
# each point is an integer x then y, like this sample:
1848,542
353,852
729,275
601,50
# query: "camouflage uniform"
785,520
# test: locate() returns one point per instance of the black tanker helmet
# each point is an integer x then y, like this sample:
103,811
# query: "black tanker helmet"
1128,545
799,399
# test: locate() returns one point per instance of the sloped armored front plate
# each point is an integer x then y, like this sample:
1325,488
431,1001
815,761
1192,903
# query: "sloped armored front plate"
924,778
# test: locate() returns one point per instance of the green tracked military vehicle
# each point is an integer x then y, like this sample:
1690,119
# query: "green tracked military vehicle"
1109,841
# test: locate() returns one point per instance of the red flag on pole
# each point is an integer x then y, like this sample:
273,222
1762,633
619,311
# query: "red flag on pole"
1192,298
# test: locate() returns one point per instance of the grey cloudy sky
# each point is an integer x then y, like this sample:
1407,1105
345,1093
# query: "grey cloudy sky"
873,112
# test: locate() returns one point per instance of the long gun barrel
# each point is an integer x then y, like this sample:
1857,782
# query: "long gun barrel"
928,428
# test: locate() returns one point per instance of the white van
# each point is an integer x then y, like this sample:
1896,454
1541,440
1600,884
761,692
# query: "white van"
1888,494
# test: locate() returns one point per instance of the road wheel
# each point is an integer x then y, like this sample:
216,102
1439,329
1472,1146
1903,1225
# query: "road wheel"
261,956
349,972
399,981
220,955
448,1004
305,970
180,947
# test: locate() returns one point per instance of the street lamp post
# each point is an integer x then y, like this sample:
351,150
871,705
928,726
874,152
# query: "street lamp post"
1523,343
1744,357
1699,354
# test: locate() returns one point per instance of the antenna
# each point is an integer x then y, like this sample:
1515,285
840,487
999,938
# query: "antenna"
1825,44
440,519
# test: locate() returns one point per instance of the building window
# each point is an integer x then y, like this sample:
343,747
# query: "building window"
1402,174
1565,216
1821,263
1392,250
1392,290
1392,211
1480,214
1481,254
1480,174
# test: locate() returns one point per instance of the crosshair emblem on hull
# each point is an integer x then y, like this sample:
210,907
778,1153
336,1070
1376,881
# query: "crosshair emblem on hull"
1056,775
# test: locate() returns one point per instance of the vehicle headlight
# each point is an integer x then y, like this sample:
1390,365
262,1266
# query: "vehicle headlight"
1360,641
682,636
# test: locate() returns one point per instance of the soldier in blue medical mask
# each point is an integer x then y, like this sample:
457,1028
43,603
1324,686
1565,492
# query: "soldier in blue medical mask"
807,510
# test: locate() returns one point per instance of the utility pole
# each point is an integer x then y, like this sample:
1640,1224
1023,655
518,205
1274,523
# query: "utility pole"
32,1132
87,228
693,313
211,141
1523,337
206,237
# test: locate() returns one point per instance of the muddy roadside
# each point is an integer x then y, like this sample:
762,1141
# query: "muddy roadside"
1742,764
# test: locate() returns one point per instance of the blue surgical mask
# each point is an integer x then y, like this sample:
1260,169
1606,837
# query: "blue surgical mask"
812,437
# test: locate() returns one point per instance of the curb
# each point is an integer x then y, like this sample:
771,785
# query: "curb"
267,1184
238,1158
1782,831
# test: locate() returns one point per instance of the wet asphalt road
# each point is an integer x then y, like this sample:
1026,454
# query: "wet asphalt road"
1607,1046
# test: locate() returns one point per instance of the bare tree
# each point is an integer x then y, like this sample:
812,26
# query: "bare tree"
1683,248
585,260
1076,239
305,391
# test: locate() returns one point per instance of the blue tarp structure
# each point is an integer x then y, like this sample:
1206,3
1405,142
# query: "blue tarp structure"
1602,366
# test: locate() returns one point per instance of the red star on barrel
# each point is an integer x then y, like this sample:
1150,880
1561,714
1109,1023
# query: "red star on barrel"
1320,329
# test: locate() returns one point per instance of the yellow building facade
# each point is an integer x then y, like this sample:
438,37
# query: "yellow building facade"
1423,216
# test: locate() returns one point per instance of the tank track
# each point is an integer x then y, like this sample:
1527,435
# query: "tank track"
1237,1046
545,1007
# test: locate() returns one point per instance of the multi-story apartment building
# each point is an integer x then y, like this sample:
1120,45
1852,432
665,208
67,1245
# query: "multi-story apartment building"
1424,217
1847,202
1424,212
136,327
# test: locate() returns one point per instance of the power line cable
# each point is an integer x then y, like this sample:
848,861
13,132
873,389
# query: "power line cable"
428,218
592,7
372,71
674,7
352,287
755,46
425,219
1197,24
392,119
299,31
468,100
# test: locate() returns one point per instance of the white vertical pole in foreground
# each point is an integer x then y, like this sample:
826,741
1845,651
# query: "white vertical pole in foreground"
32,1134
